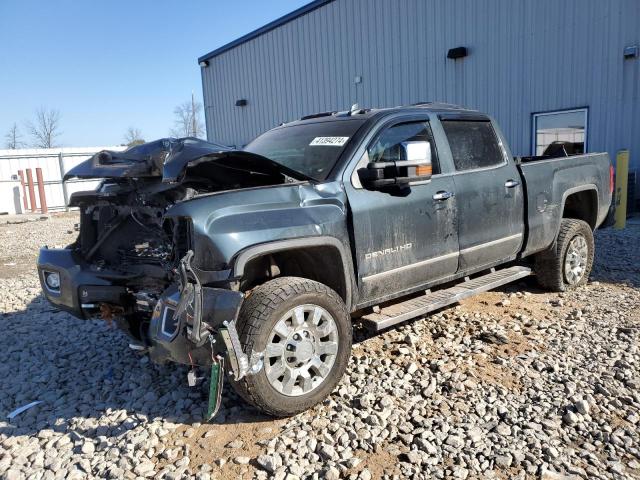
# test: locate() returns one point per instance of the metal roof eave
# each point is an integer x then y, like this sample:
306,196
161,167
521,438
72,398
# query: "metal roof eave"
266,28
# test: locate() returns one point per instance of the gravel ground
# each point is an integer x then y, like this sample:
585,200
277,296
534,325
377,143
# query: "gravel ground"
516,383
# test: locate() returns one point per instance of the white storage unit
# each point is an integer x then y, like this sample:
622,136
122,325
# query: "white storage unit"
54,162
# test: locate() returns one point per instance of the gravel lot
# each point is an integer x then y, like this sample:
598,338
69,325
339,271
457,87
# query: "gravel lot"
512,384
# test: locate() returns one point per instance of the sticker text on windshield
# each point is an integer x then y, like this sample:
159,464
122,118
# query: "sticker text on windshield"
329,141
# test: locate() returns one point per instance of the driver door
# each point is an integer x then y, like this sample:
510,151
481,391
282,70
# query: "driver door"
404,238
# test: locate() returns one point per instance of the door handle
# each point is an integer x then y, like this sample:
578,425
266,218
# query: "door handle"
442,195
511,183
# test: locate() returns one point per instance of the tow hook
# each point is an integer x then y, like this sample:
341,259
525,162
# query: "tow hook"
241,363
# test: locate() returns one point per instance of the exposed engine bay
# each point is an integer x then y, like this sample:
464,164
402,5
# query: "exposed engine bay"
142,268
123,235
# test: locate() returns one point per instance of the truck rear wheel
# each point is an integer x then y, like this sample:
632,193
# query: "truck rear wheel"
304,329
568,263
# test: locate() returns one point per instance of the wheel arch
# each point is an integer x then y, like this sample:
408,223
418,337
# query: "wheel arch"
321,258
581,203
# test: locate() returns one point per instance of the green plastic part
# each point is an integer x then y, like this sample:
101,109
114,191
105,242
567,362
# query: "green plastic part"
215,389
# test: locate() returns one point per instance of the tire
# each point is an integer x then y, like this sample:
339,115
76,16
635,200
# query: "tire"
552,267
279,303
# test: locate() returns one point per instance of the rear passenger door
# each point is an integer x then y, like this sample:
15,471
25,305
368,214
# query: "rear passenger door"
489,192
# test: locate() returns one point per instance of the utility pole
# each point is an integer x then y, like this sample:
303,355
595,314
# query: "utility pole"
193,115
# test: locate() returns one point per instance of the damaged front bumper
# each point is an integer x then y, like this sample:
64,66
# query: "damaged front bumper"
80,289
190,323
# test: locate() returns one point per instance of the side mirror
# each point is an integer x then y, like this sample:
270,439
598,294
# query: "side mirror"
413,165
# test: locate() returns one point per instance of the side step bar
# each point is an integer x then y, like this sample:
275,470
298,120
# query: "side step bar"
416,307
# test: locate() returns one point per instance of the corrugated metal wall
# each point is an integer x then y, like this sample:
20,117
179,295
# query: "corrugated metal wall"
524,56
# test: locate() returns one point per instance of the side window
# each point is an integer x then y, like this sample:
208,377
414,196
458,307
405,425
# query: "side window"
398,141
473,144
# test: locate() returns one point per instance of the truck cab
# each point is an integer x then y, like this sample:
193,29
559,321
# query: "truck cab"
466,216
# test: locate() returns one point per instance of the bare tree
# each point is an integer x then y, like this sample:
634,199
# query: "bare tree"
46,128
133,137
188,121
13,138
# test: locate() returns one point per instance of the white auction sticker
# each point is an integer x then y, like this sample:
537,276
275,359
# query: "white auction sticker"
329,141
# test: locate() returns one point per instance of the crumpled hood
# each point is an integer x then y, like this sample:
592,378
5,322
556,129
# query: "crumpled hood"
169,158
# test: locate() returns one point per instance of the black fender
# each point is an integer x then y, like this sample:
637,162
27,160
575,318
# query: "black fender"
248,254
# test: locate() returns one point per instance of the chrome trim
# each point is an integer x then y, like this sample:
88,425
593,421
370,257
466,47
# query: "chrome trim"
163,324
491,243
443,195
504,163
411,265
441,257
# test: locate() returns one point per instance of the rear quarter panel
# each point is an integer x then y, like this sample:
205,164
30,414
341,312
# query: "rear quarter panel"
549,182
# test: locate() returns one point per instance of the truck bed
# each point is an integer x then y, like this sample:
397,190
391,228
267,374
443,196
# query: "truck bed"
548,183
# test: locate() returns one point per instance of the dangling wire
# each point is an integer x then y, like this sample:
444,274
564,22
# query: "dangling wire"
191,360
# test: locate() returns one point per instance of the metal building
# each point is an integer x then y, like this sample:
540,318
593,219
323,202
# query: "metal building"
546,69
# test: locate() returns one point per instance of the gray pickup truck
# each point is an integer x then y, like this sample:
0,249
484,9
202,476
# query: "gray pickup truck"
257,262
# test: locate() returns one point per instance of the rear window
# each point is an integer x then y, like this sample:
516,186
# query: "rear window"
312,149
473,144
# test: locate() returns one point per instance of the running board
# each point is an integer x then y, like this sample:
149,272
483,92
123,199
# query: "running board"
416,307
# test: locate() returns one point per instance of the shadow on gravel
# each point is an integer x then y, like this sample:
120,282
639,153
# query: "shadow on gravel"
91,384
361,334
617,258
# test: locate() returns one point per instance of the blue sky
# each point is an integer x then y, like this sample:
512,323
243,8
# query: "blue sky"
108,65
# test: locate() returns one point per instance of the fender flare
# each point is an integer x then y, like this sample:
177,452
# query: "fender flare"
581,188
248,254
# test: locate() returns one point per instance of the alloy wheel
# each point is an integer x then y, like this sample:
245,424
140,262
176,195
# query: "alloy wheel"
301,350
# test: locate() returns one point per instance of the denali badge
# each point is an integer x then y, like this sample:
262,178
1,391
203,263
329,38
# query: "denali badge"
387,251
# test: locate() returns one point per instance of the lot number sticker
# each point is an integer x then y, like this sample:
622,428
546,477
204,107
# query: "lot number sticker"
329,141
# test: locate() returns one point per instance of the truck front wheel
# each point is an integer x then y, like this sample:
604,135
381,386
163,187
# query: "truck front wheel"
567,264
304,329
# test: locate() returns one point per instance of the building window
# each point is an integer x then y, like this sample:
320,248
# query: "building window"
563,132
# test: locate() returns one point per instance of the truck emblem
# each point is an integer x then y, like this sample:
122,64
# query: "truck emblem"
387,251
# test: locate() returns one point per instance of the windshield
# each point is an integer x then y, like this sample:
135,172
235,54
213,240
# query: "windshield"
312,149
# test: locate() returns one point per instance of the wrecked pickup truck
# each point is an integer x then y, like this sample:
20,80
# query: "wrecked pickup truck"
257,262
